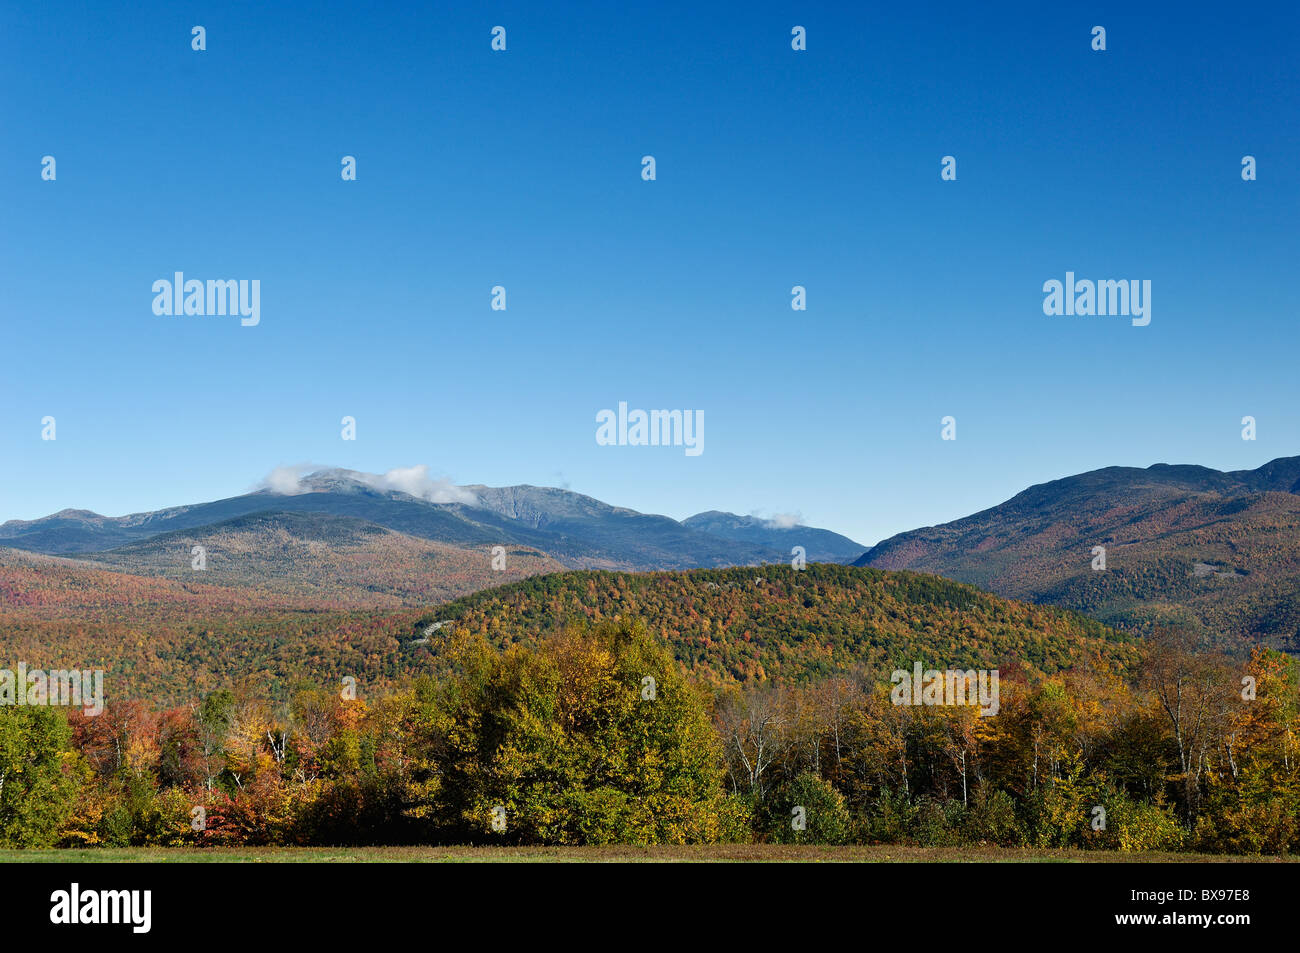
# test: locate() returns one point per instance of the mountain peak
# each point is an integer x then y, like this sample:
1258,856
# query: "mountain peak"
333,479
402,481
1153,531
780,533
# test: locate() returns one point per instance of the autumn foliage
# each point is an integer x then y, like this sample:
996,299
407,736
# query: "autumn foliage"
597,735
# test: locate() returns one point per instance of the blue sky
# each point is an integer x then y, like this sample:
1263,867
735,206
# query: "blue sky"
522,169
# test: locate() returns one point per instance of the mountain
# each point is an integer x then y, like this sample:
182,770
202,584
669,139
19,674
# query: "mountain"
820,545
575,530
571,527
1216,552
336,561
170,639
764,622
166,639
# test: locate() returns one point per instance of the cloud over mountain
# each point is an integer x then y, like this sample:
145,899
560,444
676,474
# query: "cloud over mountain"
414,481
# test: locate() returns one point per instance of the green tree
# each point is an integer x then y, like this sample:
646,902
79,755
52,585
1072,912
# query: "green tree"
807,810
596,737
37,776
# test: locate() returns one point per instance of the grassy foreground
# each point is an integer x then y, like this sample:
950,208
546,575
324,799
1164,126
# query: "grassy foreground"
715,853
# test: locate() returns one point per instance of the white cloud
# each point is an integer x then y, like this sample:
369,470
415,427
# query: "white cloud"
780,520
288,481
417,482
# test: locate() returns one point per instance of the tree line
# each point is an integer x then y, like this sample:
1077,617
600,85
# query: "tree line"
597,735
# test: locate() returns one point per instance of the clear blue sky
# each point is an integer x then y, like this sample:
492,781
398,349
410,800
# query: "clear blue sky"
522,168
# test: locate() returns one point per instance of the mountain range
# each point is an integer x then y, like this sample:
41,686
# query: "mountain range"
1211,551
340,574
339,536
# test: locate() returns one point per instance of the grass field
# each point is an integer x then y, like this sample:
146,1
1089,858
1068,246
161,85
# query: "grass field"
716,853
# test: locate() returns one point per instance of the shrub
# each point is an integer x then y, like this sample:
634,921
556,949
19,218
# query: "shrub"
992,819
825,816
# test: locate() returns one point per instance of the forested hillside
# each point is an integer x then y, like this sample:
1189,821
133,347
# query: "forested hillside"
1215,552
167,638
774,621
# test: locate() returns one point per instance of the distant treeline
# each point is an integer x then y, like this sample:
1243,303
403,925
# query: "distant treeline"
174,640
597,735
